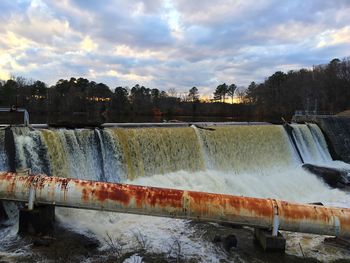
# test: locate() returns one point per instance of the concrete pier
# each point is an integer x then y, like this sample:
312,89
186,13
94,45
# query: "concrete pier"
268,242
38,222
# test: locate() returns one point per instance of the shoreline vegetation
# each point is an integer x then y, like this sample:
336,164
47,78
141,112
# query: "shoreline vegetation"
323,89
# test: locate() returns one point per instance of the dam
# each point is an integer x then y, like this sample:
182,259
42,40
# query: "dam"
117,154
259,161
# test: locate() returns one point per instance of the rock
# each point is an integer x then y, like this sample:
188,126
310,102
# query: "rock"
3,214
217,239
42,242
91,243
338,242
231,225
332,176
229,242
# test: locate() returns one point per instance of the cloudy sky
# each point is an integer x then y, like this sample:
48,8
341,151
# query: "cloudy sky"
170,43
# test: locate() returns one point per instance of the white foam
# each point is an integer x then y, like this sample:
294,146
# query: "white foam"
162,232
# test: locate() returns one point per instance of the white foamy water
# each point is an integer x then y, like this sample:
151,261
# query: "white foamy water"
161,232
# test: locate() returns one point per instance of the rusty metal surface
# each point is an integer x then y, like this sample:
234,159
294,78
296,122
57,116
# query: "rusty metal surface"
164,202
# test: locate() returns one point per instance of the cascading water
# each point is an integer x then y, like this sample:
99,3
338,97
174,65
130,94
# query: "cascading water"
313,147
125,154
108,155
311,143
244,160
31,150
84,154
247,149
257,161
158,151
3,156
111,156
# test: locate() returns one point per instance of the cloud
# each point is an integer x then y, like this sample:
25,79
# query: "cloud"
88,45
171,43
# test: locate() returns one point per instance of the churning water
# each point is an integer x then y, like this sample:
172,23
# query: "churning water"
256,160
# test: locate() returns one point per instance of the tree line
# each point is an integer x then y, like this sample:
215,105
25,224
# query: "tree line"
324,88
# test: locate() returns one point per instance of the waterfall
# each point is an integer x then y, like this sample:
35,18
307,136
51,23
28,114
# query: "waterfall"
320,142
311,144
57,152
243,149
31,151
3,157
113,162
203,152
150,151
74,153
241,159
117,154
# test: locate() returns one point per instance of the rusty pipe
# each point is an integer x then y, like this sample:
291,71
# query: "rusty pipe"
124,198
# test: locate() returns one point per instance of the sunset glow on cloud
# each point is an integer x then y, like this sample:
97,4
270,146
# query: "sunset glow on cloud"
171,43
